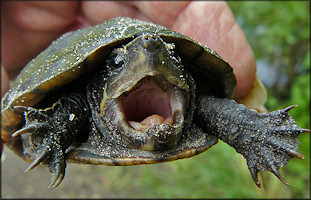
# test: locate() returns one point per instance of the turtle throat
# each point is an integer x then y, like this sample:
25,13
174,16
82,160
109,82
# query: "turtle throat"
148,104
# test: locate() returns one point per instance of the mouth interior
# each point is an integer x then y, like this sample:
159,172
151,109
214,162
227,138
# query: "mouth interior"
147,104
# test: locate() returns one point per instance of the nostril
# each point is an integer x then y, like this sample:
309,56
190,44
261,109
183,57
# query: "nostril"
151,42
146,37
149,38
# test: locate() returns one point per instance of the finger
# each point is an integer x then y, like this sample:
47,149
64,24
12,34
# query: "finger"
4,89
170,11
33,16
63,9
96,12
4,81
29,26
219,31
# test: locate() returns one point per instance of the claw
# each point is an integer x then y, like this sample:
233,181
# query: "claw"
304,130
277,173
38,160
290,107
58,176
254,173
29,129
56,180
20,109
295,154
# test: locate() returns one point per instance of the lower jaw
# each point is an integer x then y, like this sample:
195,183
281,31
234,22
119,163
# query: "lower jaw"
156,138
150,121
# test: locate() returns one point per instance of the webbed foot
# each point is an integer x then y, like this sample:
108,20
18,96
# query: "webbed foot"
267,141
46,146
49,132
274,144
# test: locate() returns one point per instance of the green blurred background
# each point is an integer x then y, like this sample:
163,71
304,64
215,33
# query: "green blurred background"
279,35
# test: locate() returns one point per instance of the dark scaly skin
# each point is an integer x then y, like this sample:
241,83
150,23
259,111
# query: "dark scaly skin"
54,129
267,141
49,134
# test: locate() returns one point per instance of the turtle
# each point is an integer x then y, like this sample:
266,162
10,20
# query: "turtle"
129,92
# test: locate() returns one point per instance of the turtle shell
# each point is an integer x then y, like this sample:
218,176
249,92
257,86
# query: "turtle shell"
77,52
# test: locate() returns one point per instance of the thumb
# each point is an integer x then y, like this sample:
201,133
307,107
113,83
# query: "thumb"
4,89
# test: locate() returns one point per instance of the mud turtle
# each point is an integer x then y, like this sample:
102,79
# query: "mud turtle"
127,92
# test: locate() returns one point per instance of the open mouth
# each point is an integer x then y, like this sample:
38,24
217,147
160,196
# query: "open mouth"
151,102
149,115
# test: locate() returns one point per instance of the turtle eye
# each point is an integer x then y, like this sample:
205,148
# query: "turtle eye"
118,61
116,64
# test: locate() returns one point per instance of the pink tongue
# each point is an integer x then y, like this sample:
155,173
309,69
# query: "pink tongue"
153,120
150,121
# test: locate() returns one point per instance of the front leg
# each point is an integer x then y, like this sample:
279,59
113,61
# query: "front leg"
48,133
267,141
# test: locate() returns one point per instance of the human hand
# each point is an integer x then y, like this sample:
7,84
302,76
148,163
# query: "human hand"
29,27
4,88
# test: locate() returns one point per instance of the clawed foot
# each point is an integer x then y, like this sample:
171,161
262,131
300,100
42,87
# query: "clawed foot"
266,140
45,143
276,144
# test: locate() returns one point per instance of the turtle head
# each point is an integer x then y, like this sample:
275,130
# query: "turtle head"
147,94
